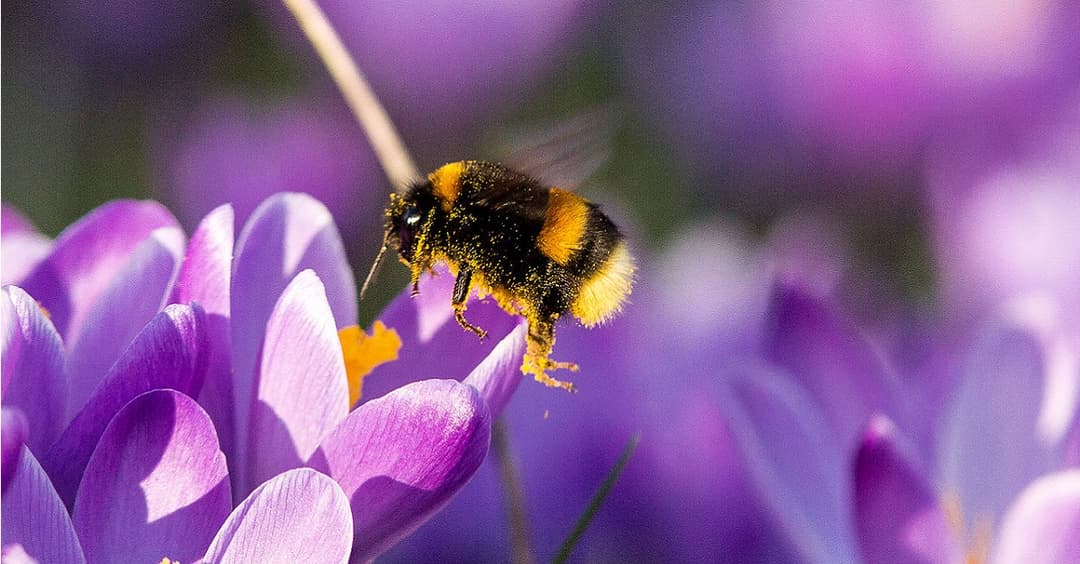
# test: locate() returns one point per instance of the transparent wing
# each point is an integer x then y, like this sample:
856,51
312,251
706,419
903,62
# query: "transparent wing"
564,154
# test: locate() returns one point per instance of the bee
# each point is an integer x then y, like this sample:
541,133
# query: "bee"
540,251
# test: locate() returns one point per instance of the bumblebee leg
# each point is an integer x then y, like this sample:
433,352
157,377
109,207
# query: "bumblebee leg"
416,272
541,339
461,293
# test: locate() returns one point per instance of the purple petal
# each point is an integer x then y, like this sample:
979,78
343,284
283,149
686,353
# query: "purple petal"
297,516
432,344
498,376
169,353
1043,525
1003,212
16,554
285,235
828,356
87,256
897,515
136,293
33,368
991,446
21,253
13,432
302,392
794,461
23,246
35,517
204,278
156,485
1071,445
401,457
13,222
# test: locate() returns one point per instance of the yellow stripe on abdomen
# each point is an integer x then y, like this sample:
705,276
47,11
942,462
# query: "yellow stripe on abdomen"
603,294
564,225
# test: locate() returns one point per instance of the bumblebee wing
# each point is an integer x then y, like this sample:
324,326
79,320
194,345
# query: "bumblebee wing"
565,154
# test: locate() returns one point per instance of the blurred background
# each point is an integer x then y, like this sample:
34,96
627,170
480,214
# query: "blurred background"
861,116
913,162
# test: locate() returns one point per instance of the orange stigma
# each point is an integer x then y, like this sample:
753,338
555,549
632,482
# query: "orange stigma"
364,352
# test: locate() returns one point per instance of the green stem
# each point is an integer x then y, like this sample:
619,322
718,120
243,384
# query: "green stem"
596,501
384,138
515,495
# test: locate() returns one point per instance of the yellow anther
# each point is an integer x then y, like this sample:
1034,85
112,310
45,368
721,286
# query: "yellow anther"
364,352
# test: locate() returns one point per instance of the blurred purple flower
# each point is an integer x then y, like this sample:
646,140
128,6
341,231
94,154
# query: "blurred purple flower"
659,370
998,416
904,516
1003,215
122,31
769,89
237,151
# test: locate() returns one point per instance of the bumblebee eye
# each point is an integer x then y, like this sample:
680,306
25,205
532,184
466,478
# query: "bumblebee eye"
410,222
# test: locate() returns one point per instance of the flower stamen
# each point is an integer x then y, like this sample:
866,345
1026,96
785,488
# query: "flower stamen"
364,352
976,545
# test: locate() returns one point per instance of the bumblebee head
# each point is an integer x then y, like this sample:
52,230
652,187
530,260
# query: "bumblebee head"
404,218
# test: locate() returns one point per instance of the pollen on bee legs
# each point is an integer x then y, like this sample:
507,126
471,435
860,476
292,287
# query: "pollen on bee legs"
459,315
536,363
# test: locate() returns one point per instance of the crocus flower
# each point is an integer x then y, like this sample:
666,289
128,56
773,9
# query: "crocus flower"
438,430
157,487
765,90
267,340
998,487
1004,212
124,32
93,334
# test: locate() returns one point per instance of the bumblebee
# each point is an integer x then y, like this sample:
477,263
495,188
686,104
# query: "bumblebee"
541,252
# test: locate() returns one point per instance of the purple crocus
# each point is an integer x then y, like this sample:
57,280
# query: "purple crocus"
70,359
1003,214
265,357
998,486
157,487
767,89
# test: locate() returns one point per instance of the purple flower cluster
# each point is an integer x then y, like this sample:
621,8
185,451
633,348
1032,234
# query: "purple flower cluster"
771,89
189,399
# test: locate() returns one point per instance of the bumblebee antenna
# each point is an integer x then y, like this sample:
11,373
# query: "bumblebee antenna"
375,265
